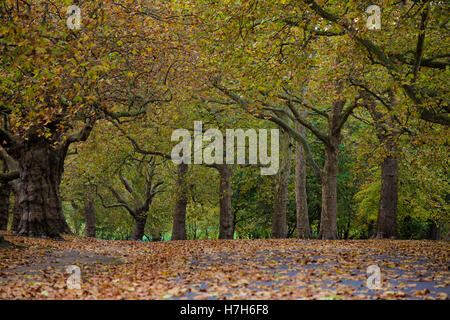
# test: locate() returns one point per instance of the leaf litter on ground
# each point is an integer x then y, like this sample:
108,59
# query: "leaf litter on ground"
223,269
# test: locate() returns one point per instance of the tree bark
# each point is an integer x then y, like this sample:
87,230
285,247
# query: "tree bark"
5,191
370,230
41,167
179,216
434,232
279,224
139,227
89,218
6,188
301,204
226,218
11,165
328,223
328,219
17,211
387,215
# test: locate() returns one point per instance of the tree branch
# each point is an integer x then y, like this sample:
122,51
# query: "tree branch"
294,98
298,137
345,114
6,138
137,147
420,42
412,92
9,176
324,138
121,203
83,134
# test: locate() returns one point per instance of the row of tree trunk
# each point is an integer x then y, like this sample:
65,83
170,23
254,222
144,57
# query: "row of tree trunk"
38,201
226,226
41,219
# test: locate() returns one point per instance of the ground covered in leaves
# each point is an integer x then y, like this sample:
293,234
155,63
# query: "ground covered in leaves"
224,269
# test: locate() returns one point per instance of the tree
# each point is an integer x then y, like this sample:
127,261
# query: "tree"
269,58
226,230
5,192
279,224
89,216
56,83
335,121
138,206
421,18
14,184
303,228
387,135
179,215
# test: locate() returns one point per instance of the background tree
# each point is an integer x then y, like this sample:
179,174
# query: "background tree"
138,205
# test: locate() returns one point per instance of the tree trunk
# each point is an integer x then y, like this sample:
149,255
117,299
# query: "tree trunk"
17,211
41,169
179,216
303,230
279,224
5,191
12,165
387,215
89,218
157,236
434,232
328,223
139,227
226,218
328,218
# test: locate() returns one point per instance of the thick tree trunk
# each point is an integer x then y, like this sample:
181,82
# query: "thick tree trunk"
279,224
12,165
89,218
41,168
328,223
179,216
387,216
139,227
17,211
303,229
5,191
226,218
